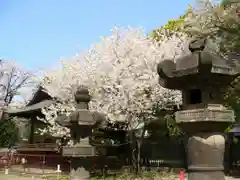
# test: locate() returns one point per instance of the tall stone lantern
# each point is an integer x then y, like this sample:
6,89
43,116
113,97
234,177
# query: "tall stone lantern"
201,77
80,123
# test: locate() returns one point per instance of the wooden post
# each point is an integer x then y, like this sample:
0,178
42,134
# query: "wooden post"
31,138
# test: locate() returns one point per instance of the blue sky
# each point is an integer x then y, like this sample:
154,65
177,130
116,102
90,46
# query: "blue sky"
37,33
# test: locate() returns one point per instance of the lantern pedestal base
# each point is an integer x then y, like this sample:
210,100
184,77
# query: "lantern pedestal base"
205,153
206,175
79,169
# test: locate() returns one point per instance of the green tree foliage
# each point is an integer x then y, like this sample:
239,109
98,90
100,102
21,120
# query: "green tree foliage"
175,25
166,124
218,22
227,3
8,133
232,98
172,25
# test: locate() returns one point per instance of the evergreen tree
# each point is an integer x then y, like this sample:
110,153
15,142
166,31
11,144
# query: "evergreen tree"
9,133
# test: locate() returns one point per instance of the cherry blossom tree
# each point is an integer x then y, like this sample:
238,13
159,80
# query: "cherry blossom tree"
14,81
217,21
120,72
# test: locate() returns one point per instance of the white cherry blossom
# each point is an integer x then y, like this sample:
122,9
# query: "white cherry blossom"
121,74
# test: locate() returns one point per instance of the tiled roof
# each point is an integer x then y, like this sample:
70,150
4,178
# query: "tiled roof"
31,108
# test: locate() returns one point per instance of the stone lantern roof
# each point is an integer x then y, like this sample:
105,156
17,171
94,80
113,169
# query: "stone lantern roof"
200,66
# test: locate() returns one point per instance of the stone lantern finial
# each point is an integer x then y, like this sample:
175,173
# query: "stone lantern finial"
197,44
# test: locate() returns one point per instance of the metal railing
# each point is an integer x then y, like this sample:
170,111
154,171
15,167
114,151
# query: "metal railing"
41,164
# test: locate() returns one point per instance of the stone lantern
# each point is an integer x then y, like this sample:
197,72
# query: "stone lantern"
80,123
201,77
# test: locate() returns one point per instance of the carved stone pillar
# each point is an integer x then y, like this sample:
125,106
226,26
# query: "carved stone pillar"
205,156
205,141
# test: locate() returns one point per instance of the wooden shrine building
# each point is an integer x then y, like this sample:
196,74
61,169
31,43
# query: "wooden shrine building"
30,112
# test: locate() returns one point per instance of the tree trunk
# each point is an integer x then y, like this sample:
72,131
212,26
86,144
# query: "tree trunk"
133,151
139,143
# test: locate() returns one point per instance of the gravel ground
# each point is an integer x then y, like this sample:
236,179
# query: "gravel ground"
17,177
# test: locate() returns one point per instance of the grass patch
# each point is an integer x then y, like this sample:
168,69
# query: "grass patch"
55,177
125,176
141,176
